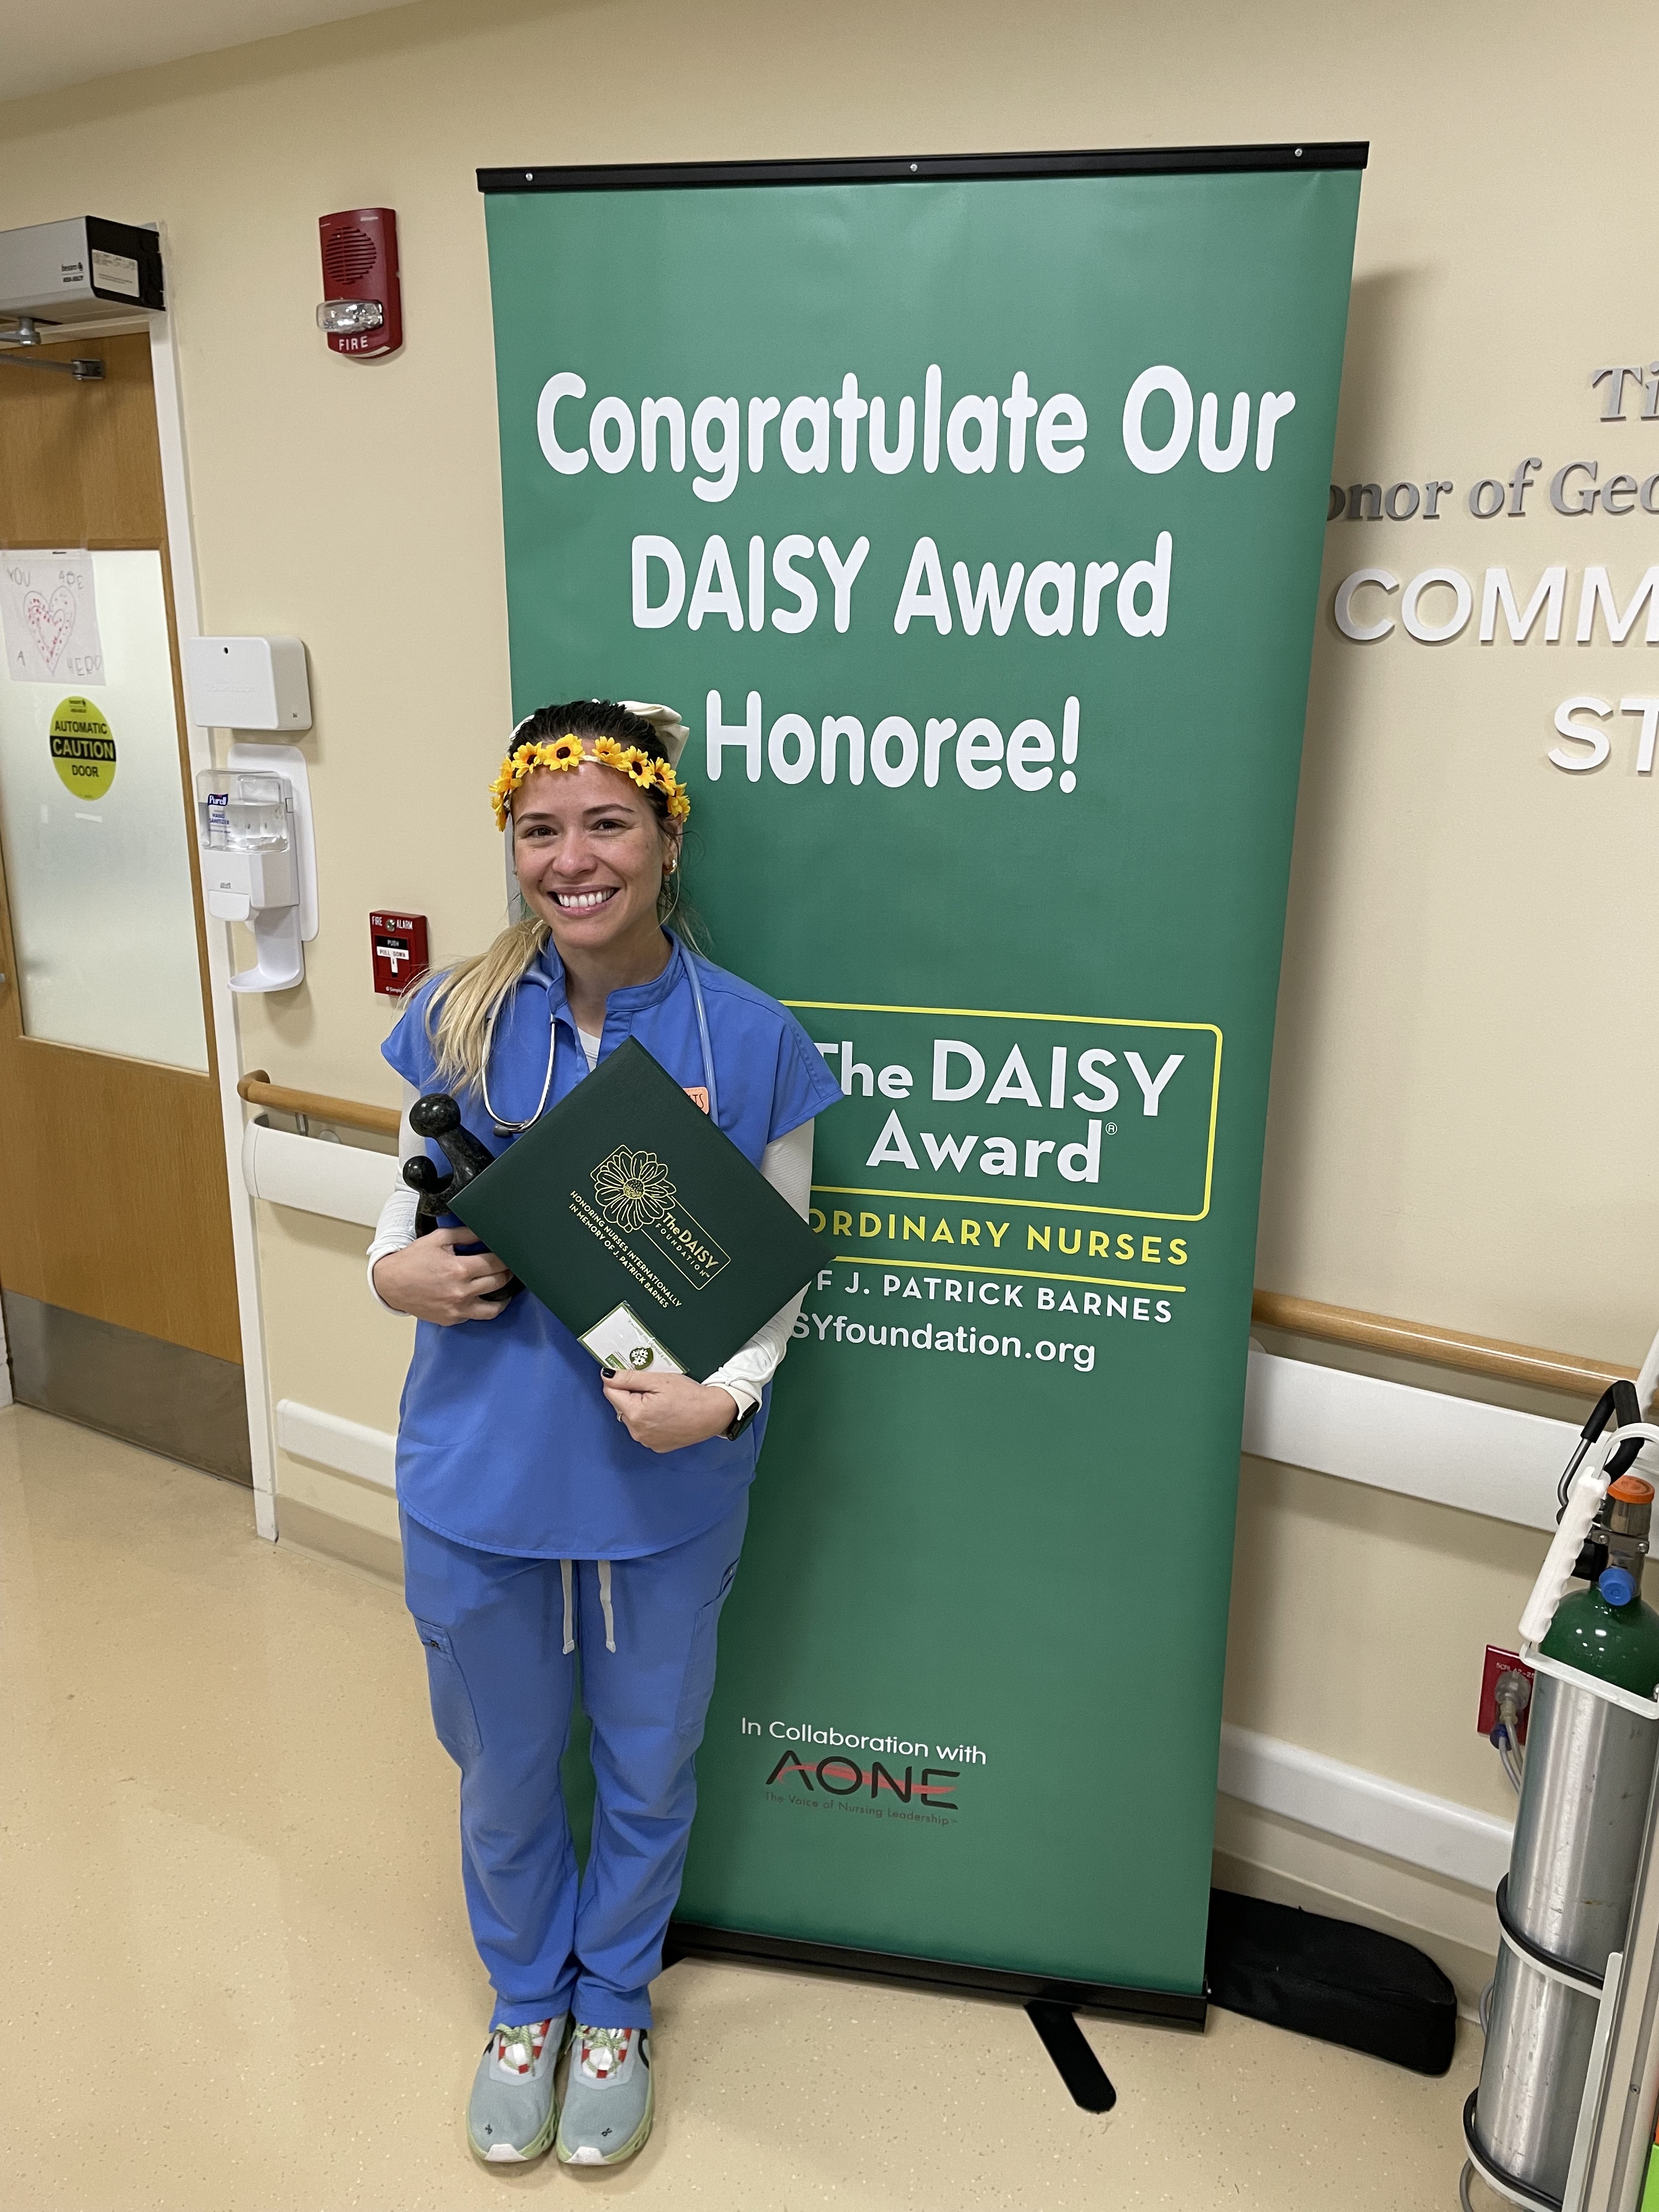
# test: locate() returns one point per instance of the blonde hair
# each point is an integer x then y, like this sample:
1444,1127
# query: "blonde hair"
465,1000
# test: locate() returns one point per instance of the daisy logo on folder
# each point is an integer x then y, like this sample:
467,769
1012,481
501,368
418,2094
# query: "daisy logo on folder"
633,1191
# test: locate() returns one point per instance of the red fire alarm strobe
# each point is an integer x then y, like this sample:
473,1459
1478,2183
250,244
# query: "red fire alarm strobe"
397,943
362,312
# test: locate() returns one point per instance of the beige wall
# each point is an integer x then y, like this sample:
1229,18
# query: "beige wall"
1470,929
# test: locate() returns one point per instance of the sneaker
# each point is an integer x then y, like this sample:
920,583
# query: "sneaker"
512,2113
608,2096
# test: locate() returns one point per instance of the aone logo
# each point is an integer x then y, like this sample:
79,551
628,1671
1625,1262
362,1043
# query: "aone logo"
840,1782
844,1777
633,1190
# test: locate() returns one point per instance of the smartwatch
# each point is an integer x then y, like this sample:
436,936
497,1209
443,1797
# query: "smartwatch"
742,1422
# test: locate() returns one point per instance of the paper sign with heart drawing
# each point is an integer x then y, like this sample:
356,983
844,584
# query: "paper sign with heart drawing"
49,608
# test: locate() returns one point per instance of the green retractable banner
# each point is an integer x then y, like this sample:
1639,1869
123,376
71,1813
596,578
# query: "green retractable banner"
972,520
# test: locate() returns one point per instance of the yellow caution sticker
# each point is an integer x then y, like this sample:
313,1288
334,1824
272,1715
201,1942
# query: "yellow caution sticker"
83,748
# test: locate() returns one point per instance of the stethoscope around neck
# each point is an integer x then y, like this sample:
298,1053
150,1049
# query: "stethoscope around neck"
504,1127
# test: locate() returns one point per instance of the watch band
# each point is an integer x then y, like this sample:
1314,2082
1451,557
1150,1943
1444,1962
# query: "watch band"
742,1422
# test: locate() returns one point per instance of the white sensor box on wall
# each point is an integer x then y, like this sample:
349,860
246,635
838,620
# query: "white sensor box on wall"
247,682
83,269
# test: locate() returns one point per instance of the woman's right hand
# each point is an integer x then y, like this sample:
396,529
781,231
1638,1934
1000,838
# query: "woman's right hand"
430,1279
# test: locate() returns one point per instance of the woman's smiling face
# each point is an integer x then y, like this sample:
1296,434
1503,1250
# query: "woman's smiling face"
590,850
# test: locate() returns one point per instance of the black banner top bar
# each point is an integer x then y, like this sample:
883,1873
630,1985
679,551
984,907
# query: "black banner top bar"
928,169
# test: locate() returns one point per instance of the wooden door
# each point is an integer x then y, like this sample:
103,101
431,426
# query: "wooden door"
116,1262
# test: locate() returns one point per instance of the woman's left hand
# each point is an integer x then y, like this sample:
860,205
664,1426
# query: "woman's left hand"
665,1412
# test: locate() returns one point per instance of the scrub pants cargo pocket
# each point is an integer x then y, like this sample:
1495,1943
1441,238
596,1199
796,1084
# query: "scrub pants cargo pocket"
453,1715
697,1684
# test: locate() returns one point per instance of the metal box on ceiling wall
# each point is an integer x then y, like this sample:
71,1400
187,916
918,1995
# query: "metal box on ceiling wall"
84,269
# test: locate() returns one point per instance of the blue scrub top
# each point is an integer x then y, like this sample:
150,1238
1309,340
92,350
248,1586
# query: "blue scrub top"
505,1441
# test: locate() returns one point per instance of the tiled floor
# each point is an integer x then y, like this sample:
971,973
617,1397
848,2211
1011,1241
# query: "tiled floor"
237,1977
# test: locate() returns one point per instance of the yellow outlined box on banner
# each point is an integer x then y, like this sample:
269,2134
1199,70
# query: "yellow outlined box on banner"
1042,1205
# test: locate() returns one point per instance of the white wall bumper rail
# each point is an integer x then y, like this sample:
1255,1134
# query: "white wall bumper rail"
345,1447
344,1181
1423,1443
1362,1808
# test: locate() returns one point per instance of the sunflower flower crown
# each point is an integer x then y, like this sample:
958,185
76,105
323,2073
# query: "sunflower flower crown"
638,766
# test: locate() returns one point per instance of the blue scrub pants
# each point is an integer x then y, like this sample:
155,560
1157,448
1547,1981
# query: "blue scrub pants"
502,1686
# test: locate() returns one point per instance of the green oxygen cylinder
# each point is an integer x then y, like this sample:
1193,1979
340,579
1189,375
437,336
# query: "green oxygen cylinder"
1592,1746
1607,1630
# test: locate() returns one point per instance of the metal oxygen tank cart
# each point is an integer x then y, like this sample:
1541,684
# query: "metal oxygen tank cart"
1587,1790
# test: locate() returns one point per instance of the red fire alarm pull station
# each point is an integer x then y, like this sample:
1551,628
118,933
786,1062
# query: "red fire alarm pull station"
362,312
398,943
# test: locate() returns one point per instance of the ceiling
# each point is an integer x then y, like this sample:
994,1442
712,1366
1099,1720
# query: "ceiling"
46,48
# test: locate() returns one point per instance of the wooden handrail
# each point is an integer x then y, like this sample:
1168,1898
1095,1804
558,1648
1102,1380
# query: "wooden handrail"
1581,1376
259,1090
1440,1347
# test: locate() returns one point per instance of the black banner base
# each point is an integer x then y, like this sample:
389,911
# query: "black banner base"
1148,2007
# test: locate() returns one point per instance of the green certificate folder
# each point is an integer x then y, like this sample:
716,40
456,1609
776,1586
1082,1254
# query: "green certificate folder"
640,1223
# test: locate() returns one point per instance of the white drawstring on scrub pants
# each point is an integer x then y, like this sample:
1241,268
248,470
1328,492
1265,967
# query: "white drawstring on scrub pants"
567,1577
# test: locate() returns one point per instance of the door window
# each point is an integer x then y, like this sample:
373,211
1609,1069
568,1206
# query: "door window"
92,817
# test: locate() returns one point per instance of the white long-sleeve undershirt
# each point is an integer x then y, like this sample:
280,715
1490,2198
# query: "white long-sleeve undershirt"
787,1166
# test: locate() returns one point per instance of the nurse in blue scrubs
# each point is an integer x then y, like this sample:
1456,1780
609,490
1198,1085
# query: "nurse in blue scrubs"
550,1507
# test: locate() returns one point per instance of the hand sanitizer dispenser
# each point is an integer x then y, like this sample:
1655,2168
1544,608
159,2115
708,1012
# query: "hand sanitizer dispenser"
258,863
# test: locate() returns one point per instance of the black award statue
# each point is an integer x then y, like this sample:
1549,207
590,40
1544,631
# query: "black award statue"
439,1118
